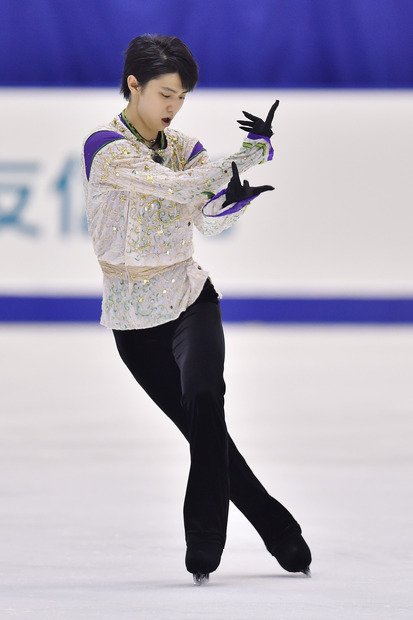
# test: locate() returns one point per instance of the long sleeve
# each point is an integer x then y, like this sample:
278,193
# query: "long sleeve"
118,167
210,218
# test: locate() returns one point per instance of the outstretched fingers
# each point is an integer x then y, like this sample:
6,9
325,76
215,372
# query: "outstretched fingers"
271,113
235,173
250,116
265,188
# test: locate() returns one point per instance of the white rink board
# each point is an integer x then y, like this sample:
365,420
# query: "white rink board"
340,221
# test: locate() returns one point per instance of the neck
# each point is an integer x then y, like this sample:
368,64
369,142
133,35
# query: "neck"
144,132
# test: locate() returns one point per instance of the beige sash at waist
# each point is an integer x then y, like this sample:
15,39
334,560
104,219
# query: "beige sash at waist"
135,274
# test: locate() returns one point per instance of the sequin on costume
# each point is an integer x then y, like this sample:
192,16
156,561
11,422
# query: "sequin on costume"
141,216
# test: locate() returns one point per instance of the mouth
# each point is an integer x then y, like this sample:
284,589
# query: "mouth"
167,121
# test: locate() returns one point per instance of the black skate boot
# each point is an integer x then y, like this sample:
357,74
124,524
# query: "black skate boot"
201,559
291,551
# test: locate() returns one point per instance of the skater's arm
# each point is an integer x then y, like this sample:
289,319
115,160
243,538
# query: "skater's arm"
225,208
118,167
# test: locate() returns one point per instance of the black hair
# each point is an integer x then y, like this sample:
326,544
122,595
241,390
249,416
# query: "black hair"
150,56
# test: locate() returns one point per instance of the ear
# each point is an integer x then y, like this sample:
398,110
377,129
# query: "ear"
133,84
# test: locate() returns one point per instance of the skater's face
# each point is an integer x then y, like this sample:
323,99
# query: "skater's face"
155,105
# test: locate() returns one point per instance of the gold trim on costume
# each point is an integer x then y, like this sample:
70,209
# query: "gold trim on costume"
134,274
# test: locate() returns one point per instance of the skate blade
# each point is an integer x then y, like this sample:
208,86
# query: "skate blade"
200,579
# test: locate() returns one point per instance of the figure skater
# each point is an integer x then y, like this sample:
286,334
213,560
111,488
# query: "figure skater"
147,186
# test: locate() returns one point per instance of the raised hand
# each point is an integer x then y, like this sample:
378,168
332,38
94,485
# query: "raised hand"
256,125
236,192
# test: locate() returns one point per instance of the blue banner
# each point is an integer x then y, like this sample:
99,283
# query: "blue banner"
237,43
281,310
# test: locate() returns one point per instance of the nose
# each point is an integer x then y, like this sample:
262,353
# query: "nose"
175,106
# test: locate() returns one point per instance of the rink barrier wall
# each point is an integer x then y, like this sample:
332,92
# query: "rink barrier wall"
338,224
287,310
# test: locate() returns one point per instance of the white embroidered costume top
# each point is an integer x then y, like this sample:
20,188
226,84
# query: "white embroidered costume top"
141,216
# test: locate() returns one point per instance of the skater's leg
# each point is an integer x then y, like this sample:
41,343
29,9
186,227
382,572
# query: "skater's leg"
190,391
266,514
198,347
275,524
147,353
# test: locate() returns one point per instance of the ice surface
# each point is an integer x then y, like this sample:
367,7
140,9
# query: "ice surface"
92,478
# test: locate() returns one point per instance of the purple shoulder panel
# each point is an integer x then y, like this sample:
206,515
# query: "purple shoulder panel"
94,143
195,151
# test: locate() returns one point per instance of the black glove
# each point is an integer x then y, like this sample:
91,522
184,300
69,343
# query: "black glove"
236,192
257,125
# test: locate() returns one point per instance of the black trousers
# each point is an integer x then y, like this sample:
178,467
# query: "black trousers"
180,365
